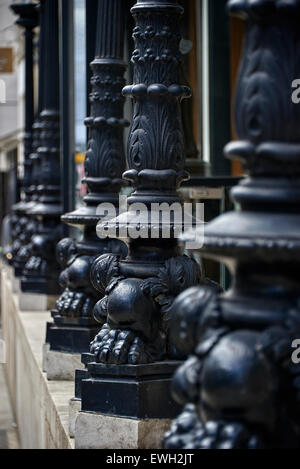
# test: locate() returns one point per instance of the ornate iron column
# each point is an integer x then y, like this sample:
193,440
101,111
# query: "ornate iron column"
74,326
138,291
41,270
28,19
241,382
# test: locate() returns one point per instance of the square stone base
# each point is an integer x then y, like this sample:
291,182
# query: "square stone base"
97,431
74,410
36,302
61,366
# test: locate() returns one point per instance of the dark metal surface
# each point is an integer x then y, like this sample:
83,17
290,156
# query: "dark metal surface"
67,105
139,290
140,392
21,232
240,384
104,164
40,272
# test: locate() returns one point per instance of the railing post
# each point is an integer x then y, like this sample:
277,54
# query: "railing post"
241,382
135,293
104,163
31,228
154,270
28,19
41,270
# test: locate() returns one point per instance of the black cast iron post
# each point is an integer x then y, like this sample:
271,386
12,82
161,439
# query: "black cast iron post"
41,270
28,19
104,163
137,292
140,289
24,252
241,382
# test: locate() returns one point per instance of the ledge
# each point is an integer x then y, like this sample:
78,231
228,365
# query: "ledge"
41,407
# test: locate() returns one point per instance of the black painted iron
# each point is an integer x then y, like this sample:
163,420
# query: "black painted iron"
27,19
35,159
67,105
41,270
142,391
74,326
240,385
139,290
82,374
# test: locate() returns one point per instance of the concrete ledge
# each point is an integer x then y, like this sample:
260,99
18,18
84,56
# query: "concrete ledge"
46,348
36,302
10,275
41,407
8,269
74,409
16,284
61,366
96,431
